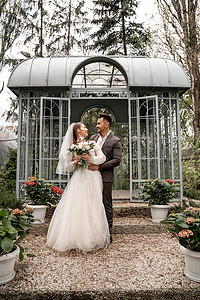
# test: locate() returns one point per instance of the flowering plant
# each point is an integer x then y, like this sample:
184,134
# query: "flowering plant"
13,227
186,226
40,192
160,192
80,148
55,194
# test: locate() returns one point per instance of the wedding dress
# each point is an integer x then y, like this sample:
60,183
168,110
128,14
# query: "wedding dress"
79,221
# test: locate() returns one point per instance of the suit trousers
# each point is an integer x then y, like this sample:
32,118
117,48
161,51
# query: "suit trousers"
107,201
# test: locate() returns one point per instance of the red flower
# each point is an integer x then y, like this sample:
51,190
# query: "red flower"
16,211
56,190
184,233
169,181
190,220
30,183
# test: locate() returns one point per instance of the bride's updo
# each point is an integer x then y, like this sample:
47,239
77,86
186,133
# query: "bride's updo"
76,126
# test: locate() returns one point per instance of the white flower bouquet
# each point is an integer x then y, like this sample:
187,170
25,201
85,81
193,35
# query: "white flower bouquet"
82,147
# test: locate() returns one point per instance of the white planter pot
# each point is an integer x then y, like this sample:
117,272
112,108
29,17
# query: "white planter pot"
7,262
39,212
159,212
192,264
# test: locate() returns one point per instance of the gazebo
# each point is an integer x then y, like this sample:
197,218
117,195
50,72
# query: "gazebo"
141,93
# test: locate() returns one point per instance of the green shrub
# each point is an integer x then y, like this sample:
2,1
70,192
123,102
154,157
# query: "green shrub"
8,173
192,193
183,204
9,199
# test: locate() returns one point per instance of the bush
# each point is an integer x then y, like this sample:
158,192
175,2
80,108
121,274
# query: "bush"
9,200
8,173
183,204
192,194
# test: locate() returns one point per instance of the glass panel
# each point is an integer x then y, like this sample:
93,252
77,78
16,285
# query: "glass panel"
54,126
99,75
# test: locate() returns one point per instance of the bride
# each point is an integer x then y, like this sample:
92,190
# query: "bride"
79,221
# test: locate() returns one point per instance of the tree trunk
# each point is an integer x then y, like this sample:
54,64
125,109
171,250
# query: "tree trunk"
41,28
69,28
123,31
193,63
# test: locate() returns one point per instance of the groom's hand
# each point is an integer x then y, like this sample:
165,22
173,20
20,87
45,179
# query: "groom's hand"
93,167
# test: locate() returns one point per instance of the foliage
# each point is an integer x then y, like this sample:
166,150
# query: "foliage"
192,193
190,168
11,22
160,192
41,193
69,27
8,173
13,227
185,225
9,199
117,32
176,208
12,114
37,26
182,37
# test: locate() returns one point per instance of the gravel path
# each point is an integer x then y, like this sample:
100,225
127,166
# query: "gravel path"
142,257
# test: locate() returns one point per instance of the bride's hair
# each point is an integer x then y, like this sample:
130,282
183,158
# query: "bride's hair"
76,126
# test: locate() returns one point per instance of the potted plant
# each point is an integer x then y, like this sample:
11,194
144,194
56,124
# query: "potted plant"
185,225
158,193
13,227
41,195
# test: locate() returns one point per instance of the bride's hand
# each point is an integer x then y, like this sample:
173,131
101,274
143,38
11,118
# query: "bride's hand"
77,159
85,157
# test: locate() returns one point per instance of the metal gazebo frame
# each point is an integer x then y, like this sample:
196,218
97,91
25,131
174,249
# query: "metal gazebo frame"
143,94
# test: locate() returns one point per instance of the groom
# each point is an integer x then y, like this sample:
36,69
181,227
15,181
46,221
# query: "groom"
111,147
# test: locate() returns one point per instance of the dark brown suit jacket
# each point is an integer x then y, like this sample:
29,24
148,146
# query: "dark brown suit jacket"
113,150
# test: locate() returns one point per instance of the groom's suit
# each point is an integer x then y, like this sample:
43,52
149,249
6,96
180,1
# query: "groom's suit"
112,150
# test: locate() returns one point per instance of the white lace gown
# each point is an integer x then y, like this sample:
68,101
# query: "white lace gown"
79,221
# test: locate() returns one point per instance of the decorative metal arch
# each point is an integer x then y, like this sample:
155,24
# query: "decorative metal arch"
95,106
107,73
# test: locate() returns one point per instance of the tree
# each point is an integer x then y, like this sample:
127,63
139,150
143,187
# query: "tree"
182,36
11,12
37,26
69,27
117,31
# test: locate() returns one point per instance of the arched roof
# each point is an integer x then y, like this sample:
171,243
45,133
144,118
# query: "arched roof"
60,71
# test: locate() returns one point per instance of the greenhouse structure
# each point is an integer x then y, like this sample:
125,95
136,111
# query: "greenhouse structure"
141,94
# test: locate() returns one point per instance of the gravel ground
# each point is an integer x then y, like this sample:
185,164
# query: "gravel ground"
142,257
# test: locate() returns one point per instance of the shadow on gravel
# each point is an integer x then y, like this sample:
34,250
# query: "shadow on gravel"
132,212
138,229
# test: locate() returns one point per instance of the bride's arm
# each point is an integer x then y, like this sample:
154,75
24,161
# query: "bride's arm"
66,163
69,163
99,157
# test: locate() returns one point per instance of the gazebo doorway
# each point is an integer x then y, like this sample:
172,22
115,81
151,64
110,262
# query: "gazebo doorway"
121,173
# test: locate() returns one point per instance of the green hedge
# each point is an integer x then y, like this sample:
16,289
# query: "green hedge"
192,193
8,198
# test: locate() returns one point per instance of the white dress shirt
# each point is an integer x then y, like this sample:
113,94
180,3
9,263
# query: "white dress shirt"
101,140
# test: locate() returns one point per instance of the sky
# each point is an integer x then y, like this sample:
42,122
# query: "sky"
146,9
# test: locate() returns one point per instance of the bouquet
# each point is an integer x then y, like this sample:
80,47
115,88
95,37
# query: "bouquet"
82,147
